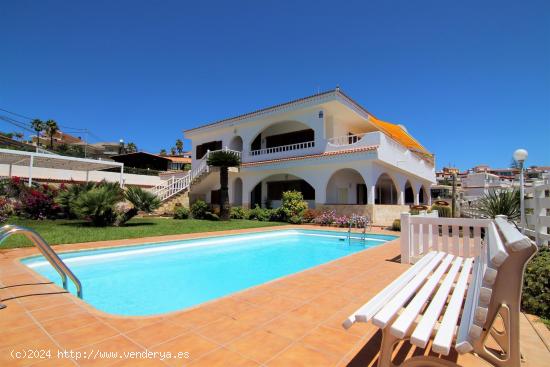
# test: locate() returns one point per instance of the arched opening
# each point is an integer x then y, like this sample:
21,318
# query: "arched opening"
269,191
385,190
346,186
236,144
409,193
289,134
238,192
423,196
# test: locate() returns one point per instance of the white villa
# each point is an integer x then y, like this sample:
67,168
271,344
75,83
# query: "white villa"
338,154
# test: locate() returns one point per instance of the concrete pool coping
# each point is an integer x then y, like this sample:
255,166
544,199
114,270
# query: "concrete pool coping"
294,320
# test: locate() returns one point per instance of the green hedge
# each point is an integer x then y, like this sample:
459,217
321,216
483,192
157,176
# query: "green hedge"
536,285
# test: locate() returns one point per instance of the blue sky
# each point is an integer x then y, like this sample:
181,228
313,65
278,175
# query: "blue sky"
469,79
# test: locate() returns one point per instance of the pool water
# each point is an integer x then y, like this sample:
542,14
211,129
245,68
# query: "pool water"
151,279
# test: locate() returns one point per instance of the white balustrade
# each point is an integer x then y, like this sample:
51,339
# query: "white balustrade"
458,236
283,148
346,139
537,207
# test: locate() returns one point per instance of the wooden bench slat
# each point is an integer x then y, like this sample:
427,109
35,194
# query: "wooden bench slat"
444,337
423,330
400,327
365,312
463,340
383,316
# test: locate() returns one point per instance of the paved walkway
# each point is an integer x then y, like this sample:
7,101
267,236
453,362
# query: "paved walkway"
293,321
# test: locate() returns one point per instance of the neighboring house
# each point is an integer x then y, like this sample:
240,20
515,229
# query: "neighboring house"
59,138
477,185
178,163
327,146
144,160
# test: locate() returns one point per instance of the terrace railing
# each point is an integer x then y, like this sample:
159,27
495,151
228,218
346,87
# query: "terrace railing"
458,236
346,139
283,148
537,208
174,185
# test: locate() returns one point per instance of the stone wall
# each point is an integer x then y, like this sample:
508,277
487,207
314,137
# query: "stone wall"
382,215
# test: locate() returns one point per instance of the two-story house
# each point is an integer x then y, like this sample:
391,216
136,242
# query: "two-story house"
327,146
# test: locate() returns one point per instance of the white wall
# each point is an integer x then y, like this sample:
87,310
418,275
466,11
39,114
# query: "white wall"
68,175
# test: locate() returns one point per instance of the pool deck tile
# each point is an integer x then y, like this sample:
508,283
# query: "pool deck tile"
292,321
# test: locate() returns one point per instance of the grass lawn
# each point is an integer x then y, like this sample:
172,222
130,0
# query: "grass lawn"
74,231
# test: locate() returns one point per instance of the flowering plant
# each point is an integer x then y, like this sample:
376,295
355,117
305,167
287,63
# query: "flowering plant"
38,203
326,218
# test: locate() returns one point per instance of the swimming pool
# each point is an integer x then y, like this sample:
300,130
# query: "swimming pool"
157,278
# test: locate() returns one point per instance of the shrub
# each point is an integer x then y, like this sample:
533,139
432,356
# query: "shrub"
276,215
6,209
310,215
12,187
293,204
211,216
263,215
342,221
295,219
143,201
98,205
38,203
181,212
442,211
536,285
199,209
326,218
238,212
67,194
396,225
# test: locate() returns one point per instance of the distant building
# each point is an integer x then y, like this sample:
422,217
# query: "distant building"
152,162
478,184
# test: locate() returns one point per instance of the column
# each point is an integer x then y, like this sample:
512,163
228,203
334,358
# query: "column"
371,194
416,199
30,168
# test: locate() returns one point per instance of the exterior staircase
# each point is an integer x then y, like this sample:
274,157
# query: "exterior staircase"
176,190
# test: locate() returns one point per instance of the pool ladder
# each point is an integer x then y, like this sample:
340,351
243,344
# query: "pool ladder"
46,250
354,220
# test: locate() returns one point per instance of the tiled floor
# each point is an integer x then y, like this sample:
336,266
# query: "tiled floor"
294,321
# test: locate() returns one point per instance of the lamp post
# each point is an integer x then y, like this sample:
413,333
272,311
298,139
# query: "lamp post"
520,155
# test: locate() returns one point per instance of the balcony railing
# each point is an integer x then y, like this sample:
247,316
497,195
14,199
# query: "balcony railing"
346,139
283,148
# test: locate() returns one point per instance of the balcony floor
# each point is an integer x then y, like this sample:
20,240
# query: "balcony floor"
293,321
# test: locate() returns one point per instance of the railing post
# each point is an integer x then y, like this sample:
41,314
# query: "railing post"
405,238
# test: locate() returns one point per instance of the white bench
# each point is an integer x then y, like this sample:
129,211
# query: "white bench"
454,301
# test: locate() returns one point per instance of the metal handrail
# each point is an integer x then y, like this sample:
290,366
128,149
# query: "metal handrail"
48,253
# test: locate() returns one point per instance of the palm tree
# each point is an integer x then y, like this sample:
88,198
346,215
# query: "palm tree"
19,136
131,147
38,126
224,159
162,152
500,202
51,129
179,146
173,151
